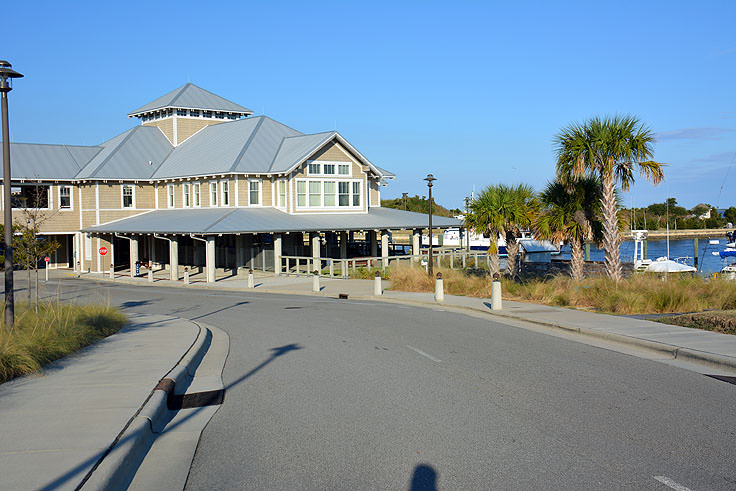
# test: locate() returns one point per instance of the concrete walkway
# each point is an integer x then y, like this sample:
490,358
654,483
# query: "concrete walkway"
715,349
58,426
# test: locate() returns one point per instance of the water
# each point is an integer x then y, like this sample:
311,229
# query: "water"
707,262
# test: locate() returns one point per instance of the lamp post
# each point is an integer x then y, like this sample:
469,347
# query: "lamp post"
7,74
467,230
430,178
404,196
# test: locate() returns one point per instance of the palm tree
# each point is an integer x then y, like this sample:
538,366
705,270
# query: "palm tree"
611,147
505,211
571,214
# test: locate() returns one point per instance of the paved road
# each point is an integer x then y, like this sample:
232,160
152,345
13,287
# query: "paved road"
331,394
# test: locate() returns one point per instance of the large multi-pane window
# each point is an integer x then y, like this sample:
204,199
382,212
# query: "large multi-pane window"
282,194
225,185
329,199
127,196
356,193
65,197
187,199
254,188
170,190
213,193
301,193
328,194
344,193
195,195
315,193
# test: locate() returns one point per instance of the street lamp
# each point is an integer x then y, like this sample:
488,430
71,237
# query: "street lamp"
467,230
404,196
7,74
430,178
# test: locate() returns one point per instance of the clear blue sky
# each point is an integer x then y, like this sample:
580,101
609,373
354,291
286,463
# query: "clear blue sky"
473,92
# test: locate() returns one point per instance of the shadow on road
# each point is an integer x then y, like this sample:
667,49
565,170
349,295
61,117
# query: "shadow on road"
424,478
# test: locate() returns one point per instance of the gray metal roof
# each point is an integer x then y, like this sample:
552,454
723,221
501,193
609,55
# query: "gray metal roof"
533,246
190,96
266,220
38,161
127,155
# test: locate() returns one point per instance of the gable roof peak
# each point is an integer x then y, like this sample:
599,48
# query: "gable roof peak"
191,96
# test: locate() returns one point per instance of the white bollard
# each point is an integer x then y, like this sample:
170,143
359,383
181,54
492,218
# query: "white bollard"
315,281
47,271
150,275
377,289
186,276
439,289
251,282
112,272
496,303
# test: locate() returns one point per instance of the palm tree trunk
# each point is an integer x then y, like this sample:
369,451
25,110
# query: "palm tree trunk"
577,259
493,263
611,234
512,250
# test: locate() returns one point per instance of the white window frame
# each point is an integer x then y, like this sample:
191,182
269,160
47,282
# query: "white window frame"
132,196
260,192
349,165
279,202
196,195
225,192
71,198
351,194
214,199
318,168
335,164
171,195
186,195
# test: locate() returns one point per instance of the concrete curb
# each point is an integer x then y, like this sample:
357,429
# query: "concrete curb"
117,469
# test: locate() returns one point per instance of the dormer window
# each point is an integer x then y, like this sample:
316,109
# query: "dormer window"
207,114
181,112
194,113
220,115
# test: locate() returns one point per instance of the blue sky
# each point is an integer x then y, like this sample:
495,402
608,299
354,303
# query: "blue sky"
473,92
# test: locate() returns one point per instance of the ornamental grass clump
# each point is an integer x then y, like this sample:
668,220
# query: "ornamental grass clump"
55,331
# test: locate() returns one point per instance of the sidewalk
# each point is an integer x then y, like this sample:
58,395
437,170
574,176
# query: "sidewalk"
715,349
57,425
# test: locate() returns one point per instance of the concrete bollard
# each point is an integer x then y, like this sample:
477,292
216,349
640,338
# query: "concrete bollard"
150,275
186,276
439,289
496,303
315,281
251,282
377,289
112,272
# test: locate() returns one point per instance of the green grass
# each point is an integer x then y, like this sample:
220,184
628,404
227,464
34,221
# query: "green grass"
723,321
57,330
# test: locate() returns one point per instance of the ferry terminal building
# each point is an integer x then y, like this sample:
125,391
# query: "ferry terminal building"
203,183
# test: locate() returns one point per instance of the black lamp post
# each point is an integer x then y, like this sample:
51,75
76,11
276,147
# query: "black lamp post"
430,178
7,74
404,196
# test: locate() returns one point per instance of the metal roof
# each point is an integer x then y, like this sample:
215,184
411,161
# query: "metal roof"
39,161
266,220
190,96
533,246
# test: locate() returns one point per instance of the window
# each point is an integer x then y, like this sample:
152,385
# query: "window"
225,193
207,114
170,191
30,196
356,194
181,112
213,194
343,169
187,201
65,197
194,113
344,193
220,115
329,193
315,193
282,194
301,193
314,168
195,194
254,191
328,169
128,196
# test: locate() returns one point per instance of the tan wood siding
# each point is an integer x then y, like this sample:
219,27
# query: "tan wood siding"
375,192
166,125
186,127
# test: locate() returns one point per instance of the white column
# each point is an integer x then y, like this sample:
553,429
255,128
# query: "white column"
343,245
210,259
316,242
239,254
277,254
174,258
133,255
384,248
416,240
153,250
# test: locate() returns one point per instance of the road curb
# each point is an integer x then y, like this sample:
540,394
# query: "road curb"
116,469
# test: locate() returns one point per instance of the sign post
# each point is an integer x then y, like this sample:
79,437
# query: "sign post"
103,252
47,259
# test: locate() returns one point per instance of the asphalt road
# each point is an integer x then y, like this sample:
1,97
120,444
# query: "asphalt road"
335,394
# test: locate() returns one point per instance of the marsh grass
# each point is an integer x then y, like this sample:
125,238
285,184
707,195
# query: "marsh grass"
638,294
720,321
53,332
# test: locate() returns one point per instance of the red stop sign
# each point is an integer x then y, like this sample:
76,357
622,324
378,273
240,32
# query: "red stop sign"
103,251
47,259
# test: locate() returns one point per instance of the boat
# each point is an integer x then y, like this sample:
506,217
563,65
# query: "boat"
660,265
727,271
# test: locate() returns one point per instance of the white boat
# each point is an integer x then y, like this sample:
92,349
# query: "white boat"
661,264
667,265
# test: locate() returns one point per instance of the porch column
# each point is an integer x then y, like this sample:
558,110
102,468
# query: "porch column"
174,258
343,245
210,259
277,254
152,248
374,244
239,254
416,241
133,255
316,242
384,248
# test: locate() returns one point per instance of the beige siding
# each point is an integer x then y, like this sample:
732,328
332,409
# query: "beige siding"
111,196
88,197
186,127
332,151
166,125
144,197
267,192
375,192
108,216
